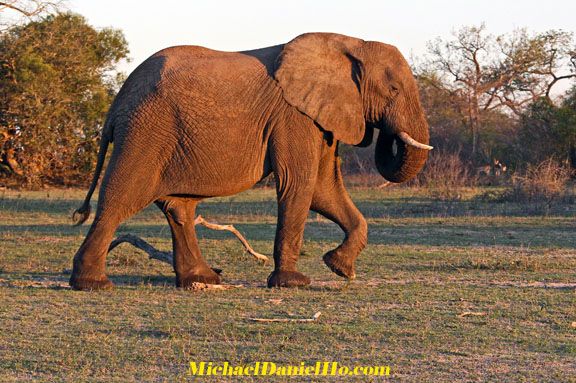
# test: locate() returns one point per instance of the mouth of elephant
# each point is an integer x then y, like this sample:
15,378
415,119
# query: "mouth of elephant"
391,157
395,160
391,145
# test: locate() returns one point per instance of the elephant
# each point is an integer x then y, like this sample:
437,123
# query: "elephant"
191,123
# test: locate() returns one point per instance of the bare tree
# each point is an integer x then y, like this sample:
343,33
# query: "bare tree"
490,73
27,9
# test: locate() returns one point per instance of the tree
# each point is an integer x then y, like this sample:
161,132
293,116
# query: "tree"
547,130
487,74
443,113
57,80
566,129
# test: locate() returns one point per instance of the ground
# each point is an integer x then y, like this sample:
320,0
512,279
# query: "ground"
467,291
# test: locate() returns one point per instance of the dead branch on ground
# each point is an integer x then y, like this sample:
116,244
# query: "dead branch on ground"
166,256
471,314
200,220
208,286
299,320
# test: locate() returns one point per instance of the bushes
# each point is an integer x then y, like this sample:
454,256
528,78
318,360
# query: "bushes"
57,80
541,186
444,174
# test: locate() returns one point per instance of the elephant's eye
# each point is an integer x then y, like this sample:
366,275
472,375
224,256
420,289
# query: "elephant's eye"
394,89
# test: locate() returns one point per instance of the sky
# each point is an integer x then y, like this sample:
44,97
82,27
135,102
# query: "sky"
247,24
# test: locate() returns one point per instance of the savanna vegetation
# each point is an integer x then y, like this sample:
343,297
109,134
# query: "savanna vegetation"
57,80
494,106
489,99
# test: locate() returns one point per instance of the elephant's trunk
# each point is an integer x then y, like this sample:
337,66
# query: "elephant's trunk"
400,156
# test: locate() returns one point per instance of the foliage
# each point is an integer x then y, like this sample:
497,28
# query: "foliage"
486,76
56,83
486,97
443,113
448,124
547,130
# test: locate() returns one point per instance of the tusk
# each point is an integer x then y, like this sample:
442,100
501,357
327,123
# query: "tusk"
405,137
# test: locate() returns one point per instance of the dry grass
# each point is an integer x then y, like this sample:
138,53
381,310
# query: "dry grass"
541,186
444,175
424,271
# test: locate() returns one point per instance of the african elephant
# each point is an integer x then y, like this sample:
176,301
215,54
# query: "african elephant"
192,123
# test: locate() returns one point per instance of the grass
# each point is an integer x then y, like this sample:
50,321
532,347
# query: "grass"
427,263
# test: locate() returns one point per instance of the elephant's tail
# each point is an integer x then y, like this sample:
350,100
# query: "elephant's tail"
81,214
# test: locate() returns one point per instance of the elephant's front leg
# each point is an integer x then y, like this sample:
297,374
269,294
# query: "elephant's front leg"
188,263
292,213
295,155
332,201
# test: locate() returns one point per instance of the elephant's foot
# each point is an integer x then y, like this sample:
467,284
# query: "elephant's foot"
340,264
280,278
208,276
88,283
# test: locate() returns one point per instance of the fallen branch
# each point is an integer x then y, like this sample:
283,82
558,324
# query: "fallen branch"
200,220
153,253
166,256
299,320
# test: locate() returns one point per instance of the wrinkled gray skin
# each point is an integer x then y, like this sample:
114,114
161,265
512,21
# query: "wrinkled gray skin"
192,123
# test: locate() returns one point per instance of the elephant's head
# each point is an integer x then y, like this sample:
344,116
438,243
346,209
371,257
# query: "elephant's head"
349,87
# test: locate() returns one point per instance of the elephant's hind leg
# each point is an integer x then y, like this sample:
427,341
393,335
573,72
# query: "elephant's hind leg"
189,265
332,201
89,266
122,195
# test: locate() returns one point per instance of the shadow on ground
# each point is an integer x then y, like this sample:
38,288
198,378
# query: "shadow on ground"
388,233
404,207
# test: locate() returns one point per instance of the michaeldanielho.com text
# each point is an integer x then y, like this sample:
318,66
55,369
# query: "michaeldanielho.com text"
271,368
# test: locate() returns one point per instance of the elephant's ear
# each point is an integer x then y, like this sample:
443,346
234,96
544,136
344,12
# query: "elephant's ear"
318,75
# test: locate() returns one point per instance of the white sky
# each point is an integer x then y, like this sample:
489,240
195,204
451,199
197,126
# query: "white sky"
246,24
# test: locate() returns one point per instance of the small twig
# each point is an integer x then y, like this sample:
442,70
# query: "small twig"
471,313
299,320
384,184
200,220
209,286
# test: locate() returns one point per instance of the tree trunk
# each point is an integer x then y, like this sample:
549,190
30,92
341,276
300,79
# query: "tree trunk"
572,156
474,115
8,157
10,160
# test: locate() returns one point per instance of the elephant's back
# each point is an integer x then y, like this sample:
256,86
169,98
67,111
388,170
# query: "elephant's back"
175,74
188,52
191,60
